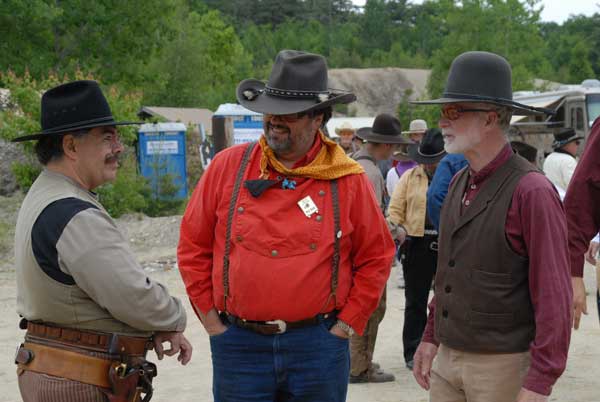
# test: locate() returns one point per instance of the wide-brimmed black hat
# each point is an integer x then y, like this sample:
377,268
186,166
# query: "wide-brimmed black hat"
386,130
298,83
73,106
482,77
430,149
564,136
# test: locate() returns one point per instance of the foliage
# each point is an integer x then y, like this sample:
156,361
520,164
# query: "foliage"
25,174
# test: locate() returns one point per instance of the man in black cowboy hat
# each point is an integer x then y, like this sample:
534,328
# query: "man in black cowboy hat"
88,307
560,164
381,140
418,236
499,326
283,248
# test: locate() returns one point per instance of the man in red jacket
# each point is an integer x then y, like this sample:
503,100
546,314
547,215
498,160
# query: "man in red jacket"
283,249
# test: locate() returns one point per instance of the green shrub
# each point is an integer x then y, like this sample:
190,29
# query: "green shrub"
127,193
25,174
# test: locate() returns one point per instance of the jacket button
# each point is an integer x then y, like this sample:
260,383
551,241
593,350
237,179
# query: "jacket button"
239,238
445,313
319,218
313,246
240,209
274,253
322,193
448,288
451,263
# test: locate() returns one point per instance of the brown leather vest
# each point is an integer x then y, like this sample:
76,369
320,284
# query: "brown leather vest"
482,286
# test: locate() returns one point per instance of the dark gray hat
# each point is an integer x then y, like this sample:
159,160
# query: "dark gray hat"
431,148
386,130
482,77
298,83
564,136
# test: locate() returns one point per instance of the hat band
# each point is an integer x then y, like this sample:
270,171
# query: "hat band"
430,155
81,123
290,93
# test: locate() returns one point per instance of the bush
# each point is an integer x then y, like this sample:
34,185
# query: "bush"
25,174
127,192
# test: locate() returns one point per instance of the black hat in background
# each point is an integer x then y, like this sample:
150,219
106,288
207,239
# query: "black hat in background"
527,151
564,136
71,107
385,130
431,148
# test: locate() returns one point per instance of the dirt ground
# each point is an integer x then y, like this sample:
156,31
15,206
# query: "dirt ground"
154,240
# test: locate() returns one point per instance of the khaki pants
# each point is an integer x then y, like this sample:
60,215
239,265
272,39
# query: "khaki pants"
362,347
475,377
36,387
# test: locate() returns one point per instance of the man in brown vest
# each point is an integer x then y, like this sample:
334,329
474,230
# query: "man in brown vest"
499,325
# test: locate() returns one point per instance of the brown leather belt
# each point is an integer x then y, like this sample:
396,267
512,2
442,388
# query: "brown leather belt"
113,344
275,327
65,364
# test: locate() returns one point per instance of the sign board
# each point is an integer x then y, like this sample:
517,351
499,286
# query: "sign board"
162,147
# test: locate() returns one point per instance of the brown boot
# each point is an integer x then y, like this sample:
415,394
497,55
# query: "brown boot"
372,376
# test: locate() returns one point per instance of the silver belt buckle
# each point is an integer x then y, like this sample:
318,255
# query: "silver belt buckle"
280,323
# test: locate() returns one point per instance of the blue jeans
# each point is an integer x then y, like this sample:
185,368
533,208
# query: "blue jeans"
305,364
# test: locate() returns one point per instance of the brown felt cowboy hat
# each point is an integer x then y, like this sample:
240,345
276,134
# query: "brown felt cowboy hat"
298,83
431,148
482,77
71,107
386,130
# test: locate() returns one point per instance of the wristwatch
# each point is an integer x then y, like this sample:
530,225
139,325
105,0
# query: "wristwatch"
345,327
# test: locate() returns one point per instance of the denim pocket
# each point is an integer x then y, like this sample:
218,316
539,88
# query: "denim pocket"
326,327
222,333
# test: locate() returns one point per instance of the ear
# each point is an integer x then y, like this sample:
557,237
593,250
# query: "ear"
69,145
317,120
491,119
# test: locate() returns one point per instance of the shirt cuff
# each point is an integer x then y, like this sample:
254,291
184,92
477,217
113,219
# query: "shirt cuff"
538,382
356,320
577,262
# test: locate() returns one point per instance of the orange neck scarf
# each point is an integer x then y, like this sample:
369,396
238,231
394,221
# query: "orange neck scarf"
330,163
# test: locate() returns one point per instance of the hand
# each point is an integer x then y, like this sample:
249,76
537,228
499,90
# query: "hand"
526,395
401,237
579,302
212,322
423,360
337,331
178,342
592,252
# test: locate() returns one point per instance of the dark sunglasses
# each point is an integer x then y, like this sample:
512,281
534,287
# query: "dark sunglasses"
454,112
290,118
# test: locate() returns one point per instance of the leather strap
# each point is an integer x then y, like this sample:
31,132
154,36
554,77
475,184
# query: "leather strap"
88,340
66,364
274,327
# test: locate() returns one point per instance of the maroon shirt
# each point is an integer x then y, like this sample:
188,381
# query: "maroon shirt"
535,228
582,201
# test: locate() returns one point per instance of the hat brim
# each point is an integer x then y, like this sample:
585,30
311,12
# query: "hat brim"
46,133
517,108
556,145
367,134
415,155
414,132
270,104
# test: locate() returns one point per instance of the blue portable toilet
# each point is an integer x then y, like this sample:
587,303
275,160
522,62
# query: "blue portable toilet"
247,125
161,151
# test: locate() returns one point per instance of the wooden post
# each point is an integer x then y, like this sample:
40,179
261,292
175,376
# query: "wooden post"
222,131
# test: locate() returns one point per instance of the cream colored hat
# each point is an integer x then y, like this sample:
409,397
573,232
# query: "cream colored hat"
416,126
345,126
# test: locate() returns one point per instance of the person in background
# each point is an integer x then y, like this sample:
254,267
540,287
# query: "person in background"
560,164
346,133
382,139
417,236
416,130
499,324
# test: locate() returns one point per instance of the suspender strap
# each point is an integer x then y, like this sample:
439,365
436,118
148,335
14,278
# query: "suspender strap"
232,202
337,235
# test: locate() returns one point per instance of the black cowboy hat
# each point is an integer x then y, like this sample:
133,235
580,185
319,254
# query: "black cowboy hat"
527,151
386,130
564,136
431,148
298,83
73,106
482,77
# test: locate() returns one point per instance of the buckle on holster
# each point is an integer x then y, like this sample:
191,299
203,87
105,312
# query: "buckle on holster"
280,323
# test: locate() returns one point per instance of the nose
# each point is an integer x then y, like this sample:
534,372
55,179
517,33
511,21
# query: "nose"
117,146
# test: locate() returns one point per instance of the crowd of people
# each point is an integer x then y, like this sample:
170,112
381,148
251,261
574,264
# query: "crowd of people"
286,246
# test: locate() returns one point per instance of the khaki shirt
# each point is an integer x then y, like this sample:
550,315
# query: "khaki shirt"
409,201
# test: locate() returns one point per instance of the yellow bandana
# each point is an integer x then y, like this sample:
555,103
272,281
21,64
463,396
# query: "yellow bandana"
330,163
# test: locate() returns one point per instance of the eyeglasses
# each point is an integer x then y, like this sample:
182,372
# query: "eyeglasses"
454,112
288,118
